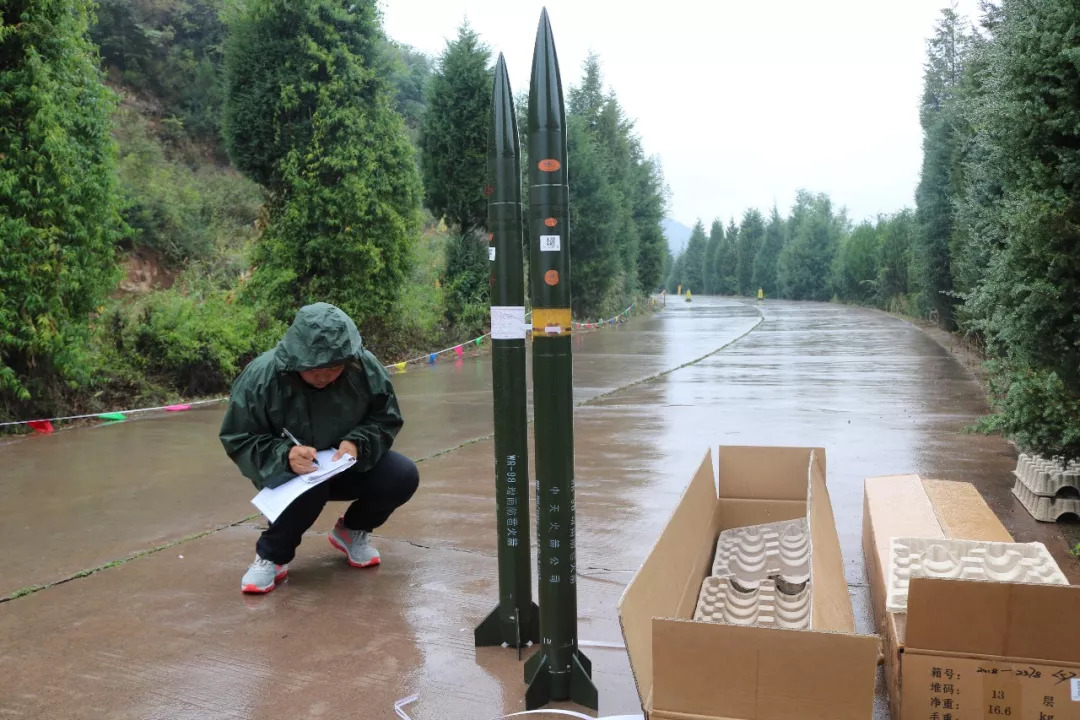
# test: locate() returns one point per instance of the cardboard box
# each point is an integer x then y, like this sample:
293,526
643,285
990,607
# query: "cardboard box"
967,650
688,670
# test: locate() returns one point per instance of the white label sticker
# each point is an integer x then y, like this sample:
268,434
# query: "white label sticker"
1074,685
549,243
491,253
553,329
507,322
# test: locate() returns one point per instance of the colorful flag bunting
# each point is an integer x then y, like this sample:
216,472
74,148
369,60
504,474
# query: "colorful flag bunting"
458,351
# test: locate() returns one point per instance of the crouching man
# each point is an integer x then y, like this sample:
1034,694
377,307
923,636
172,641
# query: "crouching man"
325,388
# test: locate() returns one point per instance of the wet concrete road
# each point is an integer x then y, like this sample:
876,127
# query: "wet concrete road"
169,635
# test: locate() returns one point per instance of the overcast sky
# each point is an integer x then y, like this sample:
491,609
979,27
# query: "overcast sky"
744,102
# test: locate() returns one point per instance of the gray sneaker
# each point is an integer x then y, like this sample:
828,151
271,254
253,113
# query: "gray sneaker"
355,545
263,576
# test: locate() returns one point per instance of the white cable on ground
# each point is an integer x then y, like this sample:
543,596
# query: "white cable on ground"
399,710
601,644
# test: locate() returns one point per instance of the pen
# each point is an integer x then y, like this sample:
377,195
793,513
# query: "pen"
292,437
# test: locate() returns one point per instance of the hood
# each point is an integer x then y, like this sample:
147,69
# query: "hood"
321,335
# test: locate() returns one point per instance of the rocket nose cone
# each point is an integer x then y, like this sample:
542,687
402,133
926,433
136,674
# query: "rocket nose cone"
545,88
502,76
504,131
545,39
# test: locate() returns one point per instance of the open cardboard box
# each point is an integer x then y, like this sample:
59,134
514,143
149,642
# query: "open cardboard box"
688,670
964,649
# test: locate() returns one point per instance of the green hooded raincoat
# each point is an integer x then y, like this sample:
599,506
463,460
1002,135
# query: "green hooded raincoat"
270,395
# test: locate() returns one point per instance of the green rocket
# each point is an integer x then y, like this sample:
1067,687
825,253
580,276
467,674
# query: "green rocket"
516,620
559,670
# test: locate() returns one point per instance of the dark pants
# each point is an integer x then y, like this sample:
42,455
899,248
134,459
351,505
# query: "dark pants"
378,492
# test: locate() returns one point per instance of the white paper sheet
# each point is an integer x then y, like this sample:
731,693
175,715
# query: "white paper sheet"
508,322
271,502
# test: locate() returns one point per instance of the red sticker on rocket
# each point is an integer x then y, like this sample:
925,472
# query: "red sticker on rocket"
549,165
551,277
551,222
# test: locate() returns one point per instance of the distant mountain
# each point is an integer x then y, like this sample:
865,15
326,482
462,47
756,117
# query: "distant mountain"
677,235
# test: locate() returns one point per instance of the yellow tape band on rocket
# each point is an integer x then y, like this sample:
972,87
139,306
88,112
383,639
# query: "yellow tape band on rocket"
551,322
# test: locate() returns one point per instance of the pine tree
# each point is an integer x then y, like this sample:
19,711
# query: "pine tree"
59,209
751,235
768,255
308,116
716,238
454,133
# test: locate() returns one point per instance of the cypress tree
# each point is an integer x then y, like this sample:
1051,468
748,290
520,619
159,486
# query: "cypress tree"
751,235
768,255
454,133
594,221
726,263
453,159
716,238
308,116
59,208
940,177
897,235
807,258
694,260
1027,305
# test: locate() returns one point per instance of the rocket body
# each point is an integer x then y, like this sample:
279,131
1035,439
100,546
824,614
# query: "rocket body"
559,671
516,619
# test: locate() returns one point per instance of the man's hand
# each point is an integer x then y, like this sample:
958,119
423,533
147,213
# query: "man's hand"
347,447
302,459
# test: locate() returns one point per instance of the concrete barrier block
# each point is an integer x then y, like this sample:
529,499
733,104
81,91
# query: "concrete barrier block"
966,560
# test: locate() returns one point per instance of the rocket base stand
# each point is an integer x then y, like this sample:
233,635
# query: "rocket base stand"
518,634
544,686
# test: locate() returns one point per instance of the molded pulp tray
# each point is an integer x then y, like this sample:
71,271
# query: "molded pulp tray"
755,553
1048,477
966,560
722,600
1041,507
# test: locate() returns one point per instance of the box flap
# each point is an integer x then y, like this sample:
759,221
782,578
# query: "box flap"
1010,620
738,513
752,673
962,512
669,574
831,601
763,473
896,506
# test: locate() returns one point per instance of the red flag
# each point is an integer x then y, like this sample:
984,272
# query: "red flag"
41,426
